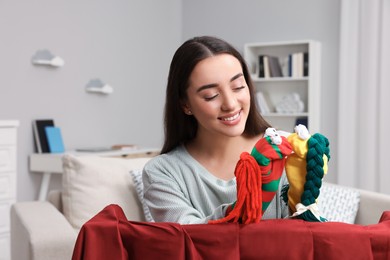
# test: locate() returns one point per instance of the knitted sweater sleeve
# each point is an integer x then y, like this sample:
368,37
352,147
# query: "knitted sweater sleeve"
168,203
174,191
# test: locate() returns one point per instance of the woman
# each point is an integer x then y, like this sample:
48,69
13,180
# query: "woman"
210,119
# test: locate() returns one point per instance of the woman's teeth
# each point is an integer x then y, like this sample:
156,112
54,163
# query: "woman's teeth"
231,118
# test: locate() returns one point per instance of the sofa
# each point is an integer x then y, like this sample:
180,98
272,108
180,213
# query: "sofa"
48,229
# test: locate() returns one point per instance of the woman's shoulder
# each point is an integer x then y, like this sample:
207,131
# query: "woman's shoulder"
168,160
174,165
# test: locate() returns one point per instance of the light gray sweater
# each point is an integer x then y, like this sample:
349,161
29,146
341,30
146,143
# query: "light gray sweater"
177,188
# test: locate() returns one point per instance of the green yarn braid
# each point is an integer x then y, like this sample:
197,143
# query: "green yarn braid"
318,145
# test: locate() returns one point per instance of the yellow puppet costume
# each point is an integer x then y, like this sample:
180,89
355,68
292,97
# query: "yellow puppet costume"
305,168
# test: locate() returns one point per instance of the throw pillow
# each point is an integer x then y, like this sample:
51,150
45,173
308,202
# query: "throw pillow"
139,188
90,183
338,203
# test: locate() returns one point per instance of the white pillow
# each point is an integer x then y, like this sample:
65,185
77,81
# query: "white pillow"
338,203
139,188
90,183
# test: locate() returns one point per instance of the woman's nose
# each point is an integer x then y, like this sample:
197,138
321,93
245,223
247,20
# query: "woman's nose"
229,101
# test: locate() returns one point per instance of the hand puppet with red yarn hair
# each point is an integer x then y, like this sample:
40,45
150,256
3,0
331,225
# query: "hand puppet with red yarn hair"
258,176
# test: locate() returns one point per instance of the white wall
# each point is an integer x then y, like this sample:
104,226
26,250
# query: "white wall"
240,22
128,44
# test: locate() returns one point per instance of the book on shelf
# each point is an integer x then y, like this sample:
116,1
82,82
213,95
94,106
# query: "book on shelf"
40,138
262,103
267,73
305,64
269,66
298,64
264,70
261,66
294,65
264,67
299,68
275,67
54,139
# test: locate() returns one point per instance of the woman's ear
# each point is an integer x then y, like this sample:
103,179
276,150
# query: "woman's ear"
186,109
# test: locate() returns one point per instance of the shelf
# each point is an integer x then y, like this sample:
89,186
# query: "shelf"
276,79
285,114
298,96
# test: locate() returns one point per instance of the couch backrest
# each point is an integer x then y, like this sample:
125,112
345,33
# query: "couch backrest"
54,197
372,205
90,183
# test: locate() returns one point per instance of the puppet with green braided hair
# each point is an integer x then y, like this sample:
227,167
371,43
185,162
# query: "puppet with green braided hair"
305,169
258,175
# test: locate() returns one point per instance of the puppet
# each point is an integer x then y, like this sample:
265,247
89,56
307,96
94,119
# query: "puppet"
258,175
305,169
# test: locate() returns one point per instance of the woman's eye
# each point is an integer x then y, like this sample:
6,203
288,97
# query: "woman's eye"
239,88
210,98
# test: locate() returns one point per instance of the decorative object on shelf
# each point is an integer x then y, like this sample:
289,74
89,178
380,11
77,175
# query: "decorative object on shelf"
98,86
45,57
291,103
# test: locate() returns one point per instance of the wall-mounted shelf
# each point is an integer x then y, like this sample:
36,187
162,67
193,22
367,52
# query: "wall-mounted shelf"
98,86
46,58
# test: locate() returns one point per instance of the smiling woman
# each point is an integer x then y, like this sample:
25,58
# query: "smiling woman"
218,97
210,119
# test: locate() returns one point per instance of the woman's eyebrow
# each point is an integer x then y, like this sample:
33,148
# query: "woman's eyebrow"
213,85
236,76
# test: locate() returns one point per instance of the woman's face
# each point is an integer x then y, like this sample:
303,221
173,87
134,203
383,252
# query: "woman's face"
218,96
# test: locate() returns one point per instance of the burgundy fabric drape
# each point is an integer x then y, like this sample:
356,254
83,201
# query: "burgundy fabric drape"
109,235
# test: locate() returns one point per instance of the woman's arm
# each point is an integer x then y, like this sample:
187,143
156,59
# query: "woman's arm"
169,202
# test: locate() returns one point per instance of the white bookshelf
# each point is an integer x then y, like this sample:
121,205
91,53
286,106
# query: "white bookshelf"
274,89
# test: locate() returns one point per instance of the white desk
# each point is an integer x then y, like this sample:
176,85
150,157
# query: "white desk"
51,163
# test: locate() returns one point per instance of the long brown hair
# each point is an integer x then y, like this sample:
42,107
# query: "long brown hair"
179,127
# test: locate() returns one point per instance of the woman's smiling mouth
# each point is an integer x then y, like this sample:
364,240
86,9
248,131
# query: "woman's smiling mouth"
230,118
